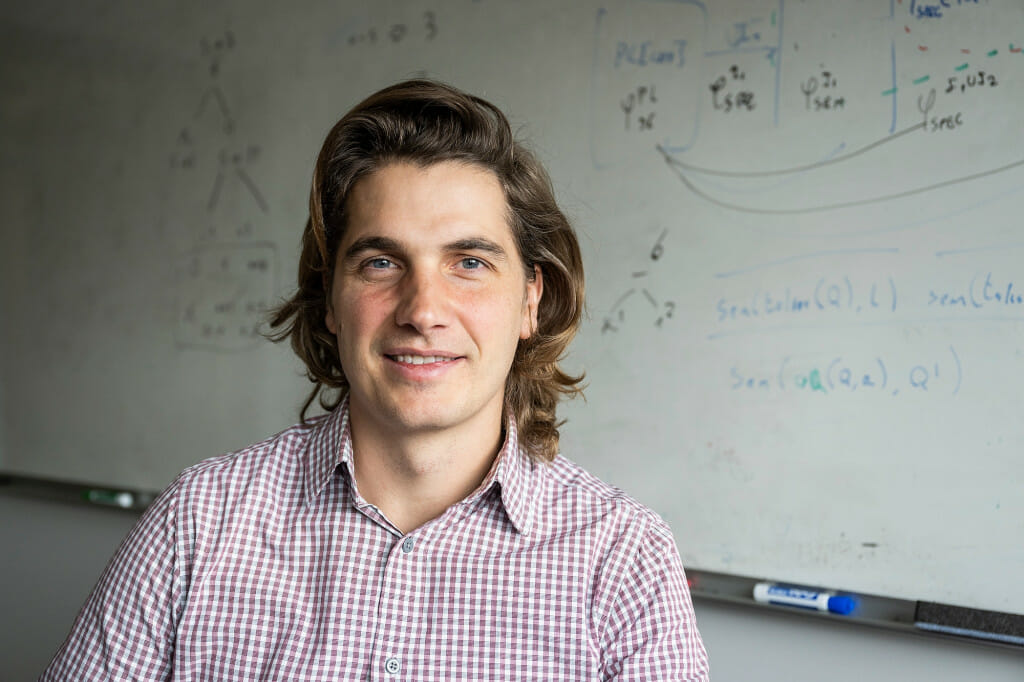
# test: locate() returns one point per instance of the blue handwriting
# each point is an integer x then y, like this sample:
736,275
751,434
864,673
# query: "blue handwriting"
849,375
828,294
979,293
648,53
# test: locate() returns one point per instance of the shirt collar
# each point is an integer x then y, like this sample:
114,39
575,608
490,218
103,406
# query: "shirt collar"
515,473
518,477
330,445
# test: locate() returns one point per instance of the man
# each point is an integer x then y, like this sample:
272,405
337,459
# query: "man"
425,528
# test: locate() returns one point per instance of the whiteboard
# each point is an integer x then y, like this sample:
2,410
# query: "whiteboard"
800,223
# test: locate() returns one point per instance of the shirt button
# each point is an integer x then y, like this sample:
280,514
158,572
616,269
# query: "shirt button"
408,545
392,666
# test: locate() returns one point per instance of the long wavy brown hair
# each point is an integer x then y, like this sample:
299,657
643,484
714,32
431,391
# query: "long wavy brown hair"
426,122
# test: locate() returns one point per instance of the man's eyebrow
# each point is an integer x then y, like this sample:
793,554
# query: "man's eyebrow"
364,244
387,244
478,244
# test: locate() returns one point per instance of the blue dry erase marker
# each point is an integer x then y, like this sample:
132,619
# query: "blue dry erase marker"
802,598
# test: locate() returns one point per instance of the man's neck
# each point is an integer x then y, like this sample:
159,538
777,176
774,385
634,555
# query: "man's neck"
414,477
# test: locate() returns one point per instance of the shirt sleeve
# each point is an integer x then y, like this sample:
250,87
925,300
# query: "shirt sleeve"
125,630
651,631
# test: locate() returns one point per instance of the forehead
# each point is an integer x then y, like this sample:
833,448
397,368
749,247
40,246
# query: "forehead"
406,200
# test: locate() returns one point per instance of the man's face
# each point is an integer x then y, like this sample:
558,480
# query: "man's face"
429,298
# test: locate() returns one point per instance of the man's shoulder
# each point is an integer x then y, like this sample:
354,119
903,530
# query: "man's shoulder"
572,487
569,476
289,441
275,459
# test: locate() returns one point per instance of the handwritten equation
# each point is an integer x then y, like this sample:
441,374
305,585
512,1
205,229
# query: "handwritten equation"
223,293
822,93
395,32
980,292
937,373
831,295
728,92
640,105
828,294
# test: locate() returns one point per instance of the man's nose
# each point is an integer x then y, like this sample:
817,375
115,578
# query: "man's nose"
424,301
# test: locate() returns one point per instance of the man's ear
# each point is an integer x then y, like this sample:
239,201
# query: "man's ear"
531,304
329,320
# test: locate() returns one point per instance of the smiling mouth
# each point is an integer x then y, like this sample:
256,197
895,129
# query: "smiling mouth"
421,359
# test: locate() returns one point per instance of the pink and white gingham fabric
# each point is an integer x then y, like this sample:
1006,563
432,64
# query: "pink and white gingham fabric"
267,564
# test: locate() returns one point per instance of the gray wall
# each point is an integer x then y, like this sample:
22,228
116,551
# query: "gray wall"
55,552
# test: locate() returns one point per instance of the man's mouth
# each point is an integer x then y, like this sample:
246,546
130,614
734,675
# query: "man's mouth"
421,359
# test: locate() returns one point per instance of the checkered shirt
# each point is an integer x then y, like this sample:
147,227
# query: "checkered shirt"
267,564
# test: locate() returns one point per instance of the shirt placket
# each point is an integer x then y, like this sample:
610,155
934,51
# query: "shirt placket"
397,640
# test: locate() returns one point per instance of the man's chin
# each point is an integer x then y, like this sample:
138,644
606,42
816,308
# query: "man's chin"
396,419
430,420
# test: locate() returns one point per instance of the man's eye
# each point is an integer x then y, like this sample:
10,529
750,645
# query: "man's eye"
379,263
472,263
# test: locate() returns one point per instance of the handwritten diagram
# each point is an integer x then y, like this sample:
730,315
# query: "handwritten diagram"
658,312
208,139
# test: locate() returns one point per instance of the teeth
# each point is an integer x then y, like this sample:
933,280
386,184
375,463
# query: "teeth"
421,359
